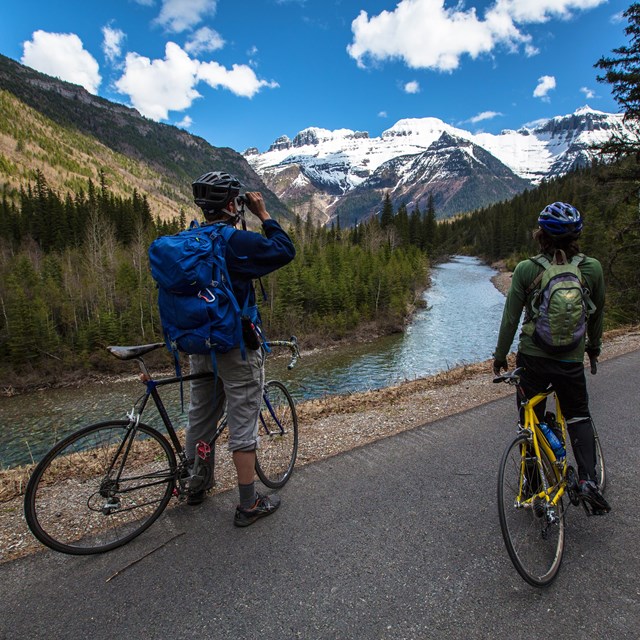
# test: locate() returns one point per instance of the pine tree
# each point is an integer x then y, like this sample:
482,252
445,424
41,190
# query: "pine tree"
386,217
623,72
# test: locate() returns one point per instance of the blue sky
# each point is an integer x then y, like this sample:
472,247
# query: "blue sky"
241,74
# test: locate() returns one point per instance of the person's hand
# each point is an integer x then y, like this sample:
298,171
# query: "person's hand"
255,204
498,365
593,353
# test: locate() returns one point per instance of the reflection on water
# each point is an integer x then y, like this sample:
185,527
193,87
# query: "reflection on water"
459,325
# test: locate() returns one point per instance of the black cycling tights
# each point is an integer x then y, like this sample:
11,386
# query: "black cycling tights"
570,385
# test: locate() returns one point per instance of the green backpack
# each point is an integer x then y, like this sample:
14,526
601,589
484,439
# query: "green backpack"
560,304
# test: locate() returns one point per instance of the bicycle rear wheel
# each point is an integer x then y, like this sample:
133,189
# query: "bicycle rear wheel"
100,488
600,466
277,436
533,531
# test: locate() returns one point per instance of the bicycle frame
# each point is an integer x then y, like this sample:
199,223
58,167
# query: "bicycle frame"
539,442
152,386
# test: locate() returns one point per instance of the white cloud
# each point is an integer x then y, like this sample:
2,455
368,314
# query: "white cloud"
588,93
112,43
412,87
383,114
485,115
156,87
185,123
183,15
427,35
545,84
145,3
240,79
63,56
202,40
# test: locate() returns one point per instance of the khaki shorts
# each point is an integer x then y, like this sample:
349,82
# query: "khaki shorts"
239,384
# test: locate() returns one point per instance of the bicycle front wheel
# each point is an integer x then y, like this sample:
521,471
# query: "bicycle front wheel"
277,436
100,487
532,528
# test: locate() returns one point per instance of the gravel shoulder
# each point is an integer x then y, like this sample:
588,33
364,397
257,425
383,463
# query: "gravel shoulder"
335,424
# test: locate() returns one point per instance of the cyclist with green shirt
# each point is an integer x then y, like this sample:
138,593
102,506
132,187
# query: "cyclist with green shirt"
560,225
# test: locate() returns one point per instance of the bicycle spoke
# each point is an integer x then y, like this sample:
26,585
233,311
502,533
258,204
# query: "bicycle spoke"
91,494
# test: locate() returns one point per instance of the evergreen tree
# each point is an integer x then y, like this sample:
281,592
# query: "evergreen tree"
386,217
623,72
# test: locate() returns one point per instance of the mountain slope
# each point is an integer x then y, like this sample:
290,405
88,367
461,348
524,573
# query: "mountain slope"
457,173
78,134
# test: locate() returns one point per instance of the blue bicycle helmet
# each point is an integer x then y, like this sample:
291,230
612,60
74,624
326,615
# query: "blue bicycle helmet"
560,219
212,191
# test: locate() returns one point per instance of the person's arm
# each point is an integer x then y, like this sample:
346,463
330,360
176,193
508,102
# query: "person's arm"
251,255
596,319
513,307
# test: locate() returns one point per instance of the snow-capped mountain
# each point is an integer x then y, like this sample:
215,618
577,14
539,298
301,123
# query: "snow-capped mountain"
459,174
338,172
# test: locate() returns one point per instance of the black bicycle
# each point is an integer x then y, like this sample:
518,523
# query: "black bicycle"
105,484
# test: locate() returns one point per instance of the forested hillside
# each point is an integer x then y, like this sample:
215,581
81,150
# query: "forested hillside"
607,197
74,278
71,135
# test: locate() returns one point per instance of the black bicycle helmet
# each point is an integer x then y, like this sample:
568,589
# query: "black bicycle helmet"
560,219
212,191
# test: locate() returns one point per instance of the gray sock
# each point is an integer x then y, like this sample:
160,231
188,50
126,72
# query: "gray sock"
247,495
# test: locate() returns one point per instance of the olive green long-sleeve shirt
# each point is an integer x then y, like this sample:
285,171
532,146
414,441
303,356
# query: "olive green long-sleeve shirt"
523,276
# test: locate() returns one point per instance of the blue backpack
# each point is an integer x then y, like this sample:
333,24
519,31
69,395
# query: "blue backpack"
198,310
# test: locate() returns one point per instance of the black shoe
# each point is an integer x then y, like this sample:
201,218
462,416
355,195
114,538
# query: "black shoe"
591,496
196,498
264,506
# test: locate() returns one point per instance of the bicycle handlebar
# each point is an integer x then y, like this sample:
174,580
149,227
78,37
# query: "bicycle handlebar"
292,344
510,377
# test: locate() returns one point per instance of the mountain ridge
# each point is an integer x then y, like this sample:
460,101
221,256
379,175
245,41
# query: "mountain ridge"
164,158
344,162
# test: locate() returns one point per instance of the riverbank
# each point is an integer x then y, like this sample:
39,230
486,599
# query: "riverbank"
332,425
502,280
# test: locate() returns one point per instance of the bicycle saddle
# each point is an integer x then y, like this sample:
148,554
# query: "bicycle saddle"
128,353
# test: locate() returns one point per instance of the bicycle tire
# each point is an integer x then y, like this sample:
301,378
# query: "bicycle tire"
277,436
72,505
534,544
601,470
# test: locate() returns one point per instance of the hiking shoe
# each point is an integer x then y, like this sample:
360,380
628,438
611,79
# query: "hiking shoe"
264,506
591,496
196,498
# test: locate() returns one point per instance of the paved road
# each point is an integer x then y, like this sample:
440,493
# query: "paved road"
398,539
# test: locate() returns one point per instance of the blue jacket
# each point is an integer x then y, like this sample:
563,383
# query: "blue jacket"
250,255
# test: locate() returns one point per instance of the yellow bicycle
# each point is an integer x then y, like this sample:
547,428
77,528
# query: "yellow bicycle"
533,486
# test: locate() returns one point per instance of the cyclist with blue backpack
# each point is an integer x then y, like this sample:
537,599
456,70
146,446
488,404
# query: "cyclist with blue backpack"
562,293
240,370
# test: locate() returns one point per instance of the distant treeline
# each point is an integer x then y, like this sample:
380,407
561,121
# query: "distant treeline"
74,277
608,198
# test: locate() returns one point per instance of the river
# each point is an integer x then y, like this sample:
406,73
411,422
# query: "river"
459,325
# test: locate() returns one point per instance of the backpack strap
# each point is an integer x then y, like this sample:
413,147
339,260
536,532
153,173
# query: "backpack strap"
590,306
578,259
542,261
226,231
